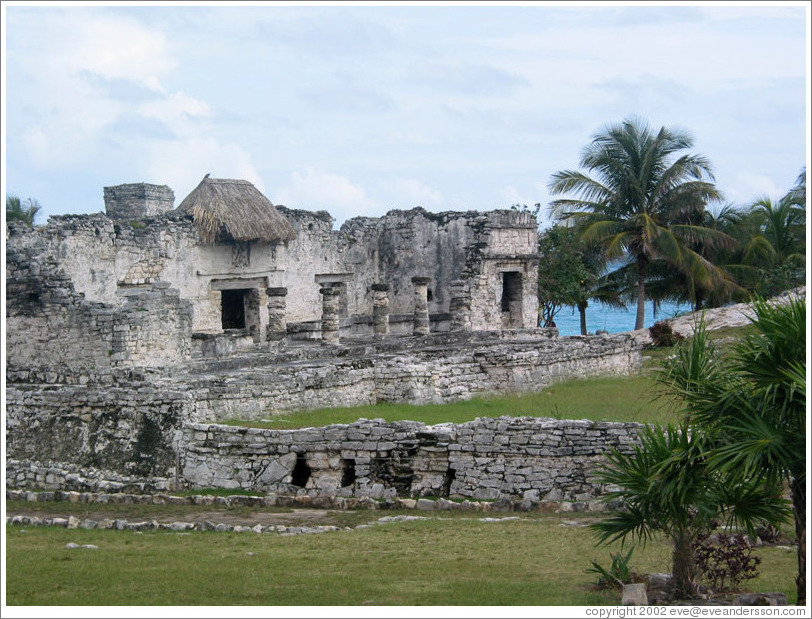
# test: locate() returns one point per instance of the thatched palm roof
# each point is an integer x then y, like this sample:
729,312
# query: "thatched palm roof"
226,210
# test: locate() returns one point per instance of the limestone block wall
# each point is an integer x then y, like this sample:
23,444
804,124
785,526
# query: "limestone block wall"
55,334
137,200
506,246
417,376
124,419
128,428
531,458
98,256
401,245
72,478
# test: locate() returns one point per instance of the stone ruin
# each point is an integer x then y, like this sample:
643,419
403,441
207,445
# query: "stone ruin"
132,335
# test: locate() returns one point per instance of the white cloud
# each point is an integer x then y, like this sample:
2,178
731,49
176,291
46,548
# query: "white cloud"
116,47
69,67
179,111
410,193
748,187
182,164
315,190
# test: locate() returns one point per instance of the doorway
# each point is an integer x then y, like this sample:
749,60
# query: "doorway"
511,299
233,308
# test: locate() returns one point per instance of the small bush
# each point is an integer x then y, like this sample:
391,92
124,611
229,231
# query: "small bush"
618,574
662,335
725,560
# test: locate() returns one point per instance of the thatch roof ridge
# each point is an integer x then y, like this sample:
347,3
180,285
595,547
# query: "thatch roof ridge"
232,209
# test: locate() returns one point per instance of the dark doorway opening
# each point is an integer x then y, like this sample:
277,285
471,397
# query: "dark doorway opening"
448,479
348,472
233,308
512,299
301,472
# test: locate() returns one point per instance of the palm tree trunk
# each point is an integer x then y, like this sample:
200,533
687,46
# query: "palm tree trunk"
641,293
798,490
582,313
682,566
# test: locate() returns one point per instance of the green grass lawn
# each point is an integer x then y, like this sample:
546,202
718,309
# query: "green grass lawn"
617,398
610,398
537,560
450,559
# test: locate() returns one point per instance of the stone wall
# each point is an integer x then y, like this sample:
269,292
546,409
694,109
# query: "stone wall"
531,458
128,428
125,420
96,255
442,369
391,250
518,458
54,334
72,478
137,200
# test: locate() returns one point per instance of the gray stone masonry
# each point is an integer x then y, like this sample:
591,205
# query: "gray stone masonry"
127,420
380,310
137,200
527,458
421,307
277,324
329,315
460,306
519,459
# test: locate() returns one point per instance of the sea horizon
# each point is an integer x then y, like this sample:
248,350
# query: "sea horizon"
600,317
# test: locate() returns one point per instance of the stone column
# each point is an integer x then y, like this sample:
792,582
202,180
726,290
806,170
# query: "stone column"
421,305
460,305
277,324
331,296
380,310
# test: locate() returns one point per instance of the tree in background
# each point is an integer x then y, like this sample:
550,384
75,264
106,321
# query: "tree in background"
563,275
776,250
797,195
640,202
21,211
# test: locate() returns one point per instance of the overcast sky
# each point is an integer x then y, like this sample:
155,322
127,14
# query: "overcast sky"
360,109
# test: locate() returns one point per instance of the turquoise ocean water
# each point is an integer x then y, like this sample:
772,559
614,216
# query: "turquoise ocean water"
602,317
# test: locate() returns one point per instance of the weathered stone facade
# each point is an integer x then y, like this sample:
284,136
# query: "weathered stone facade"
531,458
516,458
125,330
95,257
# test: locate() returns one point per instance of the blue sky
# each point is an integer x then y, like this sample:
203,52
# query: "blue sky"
358,109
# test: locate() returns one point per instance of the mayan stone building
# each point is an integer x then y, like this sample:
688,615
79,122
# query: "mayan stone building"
126,328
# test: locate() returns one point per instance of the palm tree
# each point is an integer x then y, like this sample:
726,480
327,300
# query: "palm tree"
798,193
666,487
754,401
777,249
640,200
17,211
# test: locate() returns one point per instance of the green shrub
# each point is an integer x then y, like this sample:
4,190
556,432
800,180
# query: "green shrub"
662,335
618,574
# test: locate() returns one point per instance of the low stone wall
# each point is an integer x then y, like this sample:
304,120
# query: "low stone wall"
535,459
78,484
519,459
432,374
130,422
130,428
